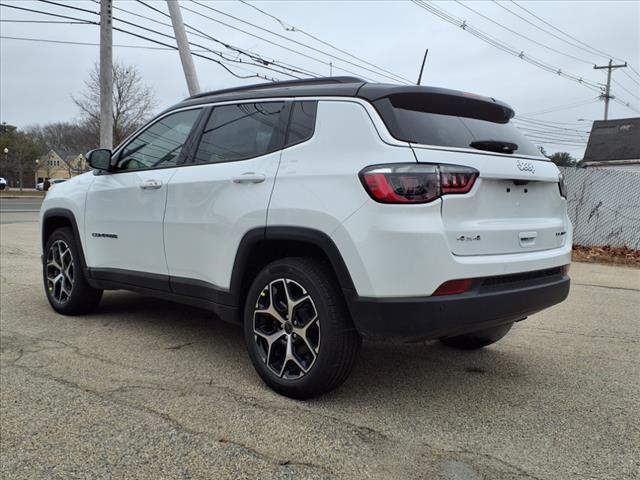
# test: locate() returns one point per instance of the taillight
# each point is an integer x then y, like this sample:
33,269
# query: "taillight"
562,186
416,183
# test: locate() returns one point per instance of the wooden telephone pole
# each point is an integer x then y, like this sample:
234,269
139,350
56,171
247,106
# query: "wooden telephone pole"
607,95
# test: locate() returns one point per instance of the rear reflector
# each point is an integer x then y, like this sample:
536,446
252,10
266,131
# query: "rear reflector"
454,287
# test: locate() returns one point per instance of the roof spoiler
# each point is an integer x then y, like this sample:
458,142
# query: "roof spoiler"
441,101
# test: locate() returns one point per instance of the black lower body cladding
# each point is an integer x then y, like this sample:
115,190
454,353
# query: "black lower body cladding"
488,305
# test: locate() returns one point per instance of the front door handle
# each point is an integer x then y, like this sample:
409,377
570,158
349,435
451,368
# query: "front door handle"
249,177
151,185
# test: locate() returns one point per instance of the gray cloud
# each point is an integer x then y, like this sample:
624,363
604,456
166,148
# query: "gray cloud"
38,79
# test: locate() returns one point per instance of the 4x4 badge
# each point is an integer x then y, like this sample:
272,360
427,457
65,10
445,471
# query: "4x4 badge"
464,238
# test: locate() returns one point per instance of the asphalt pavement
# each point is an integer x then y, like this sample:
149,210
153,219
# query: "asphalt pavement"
20,204
144,388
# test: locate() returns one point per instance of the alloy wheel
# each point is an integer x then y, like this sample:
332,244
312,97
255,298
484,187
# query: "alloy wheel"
286,328
60,271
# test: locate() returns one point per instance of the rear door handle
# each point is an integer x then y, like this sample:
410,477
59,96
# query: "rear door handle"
249,177
151,185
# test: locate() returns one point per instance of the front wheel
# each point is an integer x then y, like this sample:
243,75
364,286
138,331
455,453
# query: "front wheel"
297,328
64,282
478,339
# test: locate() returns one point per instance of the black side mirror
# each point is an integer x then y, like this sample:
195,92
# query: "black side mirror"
100,159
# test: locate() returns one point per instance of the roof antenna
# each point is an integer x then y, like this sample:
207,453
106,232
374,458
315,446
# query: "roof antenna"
424,60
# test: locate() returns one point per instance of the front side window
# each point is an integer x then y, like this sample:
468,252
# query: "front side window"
159,145
237,132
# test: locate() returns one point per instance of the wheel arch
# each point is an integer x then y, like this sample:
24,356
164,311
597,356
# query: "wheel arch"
61,217
261,246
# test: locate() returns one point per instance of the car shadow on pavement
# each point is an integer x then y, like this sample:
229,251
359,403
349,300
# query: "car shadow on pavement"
429,371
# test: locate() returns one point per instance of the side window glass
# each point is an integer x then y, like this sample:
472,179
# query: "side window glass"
246,130
303,122
159,145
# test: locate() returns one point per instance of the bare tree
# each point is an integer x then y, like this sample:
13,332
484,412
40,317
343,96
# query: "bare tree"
133,102
65,138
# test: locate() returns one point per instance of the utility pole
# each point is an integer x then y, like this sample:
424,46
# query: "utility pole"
607,96
183,47
106,75
424,60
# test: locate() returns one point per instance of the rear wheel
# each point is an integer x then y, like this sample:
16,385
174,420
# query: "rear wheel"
298,331
478,339
64,282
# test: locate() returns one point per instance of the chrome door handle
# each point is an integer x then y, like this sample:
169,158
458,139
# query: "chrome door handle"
249,177
151,185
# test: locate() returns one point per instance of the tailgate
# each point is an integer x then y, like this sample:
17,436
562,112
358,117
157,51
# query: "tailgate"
515,205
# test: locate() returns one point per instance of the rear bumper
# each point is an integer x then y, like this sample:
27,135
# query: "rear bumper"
489,304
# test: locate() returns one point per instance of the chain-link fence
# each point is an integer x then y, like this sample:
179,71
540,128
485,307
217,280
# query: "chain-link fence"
604,206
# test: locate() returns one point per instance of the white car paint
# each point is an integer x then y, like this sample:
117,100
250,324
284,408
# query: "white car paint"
191,226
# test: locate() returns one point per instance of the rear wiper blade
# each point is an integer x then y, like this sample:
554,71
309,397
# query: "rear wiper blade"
495,146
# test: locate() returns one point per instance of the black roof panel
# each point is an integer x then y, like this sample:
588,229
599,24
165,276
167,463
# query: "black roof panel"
312,87
351,87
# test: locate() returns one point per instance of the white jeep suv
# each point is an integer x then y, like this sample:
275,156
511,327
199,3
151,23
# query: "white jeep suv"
316,213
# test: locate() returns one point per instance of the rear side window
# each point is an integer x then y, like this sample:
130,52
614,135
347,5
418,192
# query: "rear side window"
302,123
418,126
241,131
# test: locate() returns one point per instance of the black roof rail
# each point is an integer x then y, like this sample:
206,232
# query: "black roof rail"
287,83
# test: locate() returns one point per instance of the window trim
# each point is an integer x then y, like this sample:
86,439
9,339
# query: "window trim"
283,124
185,153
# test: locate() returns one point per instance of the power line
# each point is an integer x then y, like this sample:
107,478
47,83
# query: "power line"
48,13
625,89
173,38
249,54
291,28
553,133
551,129
89,44
286,38
129,33
593,49
521,35
444,15
567,106
546,126
6,20
554,122
193,53
630,77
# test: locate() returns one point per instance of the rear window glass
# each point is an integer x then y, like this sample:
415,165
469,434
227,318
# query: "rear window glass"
452,131
303,122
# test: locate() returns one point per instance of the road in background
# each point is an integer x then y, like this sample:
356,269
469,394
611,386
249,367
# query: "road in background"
14,205
149,389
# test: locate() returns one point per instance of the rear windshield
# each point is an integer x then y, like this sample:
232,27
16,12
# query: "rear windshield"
450,131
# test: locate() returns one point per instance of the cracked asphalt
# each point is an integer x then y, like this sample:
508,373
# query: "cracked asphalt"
149,389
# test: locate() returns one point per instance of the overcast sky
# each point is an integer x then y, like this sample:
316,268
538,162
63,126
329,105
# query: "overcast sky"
38,78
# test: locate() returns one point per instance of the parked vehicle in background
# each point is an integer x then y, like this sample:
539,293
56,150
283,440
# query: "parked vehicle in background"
317,213
3,183
55,181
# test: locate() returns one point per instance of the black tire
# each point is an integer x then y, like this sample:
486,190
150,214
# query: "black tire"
337,344
478,339
78,297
